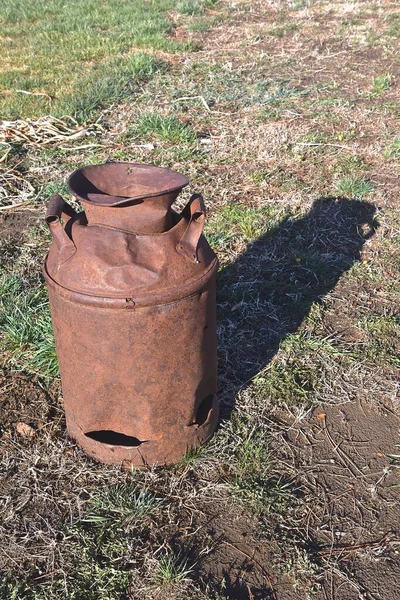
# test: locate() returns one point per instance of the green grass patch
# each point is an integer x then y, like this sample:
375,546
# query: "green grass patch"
384,339
171,569
27,335
250,471
202,25
194,7
381,84
90,581
394,25
109,83
296,375
349,165
353,187
80,55
121,507
282,30
167,128
236,223
96,549
393,150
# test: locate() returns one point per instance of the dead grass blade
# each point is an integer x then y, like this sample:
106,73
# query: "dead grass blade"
14,186
44,131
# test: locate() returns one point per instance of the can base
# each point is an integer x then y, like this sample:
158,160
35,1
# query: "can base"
110,447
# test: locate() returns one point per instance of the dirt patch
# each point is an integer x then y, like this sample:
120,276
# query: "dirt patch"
13,229
24,400
12,225
348,522
243,567
353,513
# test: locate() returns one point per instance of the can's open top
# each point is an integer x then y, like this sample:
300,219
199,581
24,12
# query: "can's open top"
112,184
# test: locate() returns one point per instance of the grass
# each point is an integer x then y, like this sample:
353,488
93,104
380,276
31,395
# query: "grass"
396,457
80,56
296,167
394,25
353,187
381,84
167,128
171,569
107,84
250,472
236,223
194,7
383,339
393,151
350,165
121,506
27,335
282,30
296,376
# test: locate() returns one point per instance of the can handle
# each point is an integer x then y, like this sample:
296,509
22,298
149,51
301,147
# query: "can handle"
195,210
56,209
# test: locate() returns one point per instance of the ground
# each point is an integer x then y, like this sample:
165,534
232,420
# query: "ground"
284,115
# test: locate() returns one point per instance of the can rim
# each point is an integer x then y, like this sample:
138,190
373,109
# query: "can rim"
126,182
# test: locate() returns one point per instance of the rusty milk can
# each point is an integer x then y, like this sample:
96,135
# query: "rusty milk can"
132,296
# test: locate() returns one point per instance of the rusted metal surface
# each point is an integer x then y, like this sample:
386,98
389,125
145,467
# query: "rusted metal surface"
132,295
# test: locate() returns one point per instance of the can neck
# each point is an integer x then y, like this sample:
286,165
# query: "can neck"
147,215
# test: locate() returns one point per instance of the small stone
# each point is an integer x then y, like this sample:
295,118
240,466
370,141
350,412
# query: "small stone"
25,430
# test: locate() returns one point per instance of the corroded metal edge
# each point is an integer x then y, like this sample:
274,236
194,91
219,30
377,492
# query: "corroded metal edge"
131,301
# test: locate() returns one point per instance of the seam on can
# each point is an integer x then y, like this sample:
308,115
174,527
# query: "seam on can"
131,302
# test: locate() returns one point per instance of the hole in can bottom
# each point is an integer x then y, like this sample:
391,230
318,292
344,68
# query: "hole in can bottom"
114,438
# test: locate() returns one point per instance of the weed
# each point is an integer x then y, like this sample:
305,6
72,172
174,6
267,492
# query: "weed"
353,187
345,136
